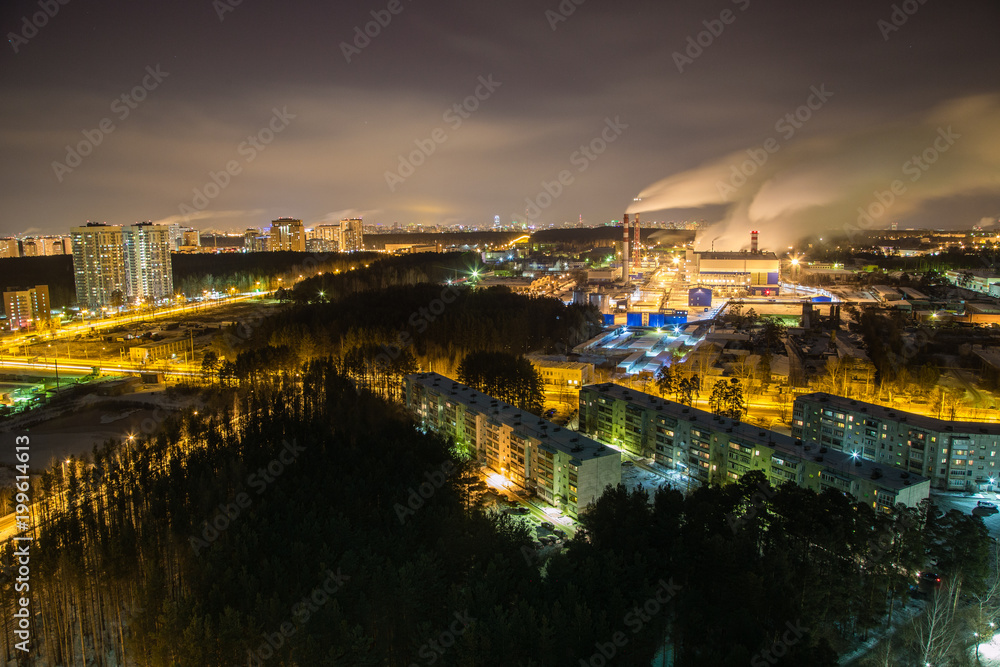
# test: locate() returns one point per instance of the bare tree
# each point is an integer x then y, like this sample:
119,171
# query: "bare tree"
935,630
984,611
881,655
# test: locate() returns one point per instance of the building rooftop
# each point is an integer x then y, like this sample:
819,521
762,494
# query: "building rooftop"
911,418
784,445
738,255
558,438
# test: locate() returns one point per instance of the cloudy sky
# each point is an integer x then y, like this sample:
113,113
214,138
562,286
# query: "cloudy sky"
227,115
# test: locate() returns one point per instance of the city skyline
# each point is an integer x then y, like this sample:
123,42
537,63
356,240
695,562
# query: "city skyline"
452,114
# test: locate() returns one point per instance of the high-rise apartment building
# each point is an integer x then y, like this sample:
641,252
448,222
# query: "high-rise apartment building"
287,234
27,308
254,240
148,268
116,265
328,237
45,246
9,247
352,235
191,237
98,264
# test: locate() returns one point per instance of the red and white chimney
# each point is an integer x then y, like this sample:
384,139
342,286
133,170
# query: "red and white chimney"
753,241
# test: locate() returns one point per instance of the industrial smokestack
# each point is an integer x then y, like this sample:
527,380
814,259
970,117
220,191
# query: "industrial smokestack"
625,249
753,241
636,260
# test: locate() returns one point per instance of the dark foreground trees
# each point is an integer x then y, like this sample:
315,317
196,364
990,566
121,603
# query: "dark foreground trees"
302,522
507,377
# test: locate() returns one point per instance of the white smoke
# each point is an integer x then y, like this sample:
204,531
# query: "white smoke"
818,183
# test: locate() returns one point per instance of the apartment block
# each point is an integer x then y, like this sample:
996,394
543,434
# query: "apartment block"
287,234
148,267
44,246
716,450
27,308
116,265
10,247
352,235
954,455
326,238
254,240
98,265
565,469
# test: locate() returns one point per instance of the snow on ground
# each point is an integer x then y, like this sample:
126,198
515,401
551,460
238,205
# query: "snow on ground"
633,476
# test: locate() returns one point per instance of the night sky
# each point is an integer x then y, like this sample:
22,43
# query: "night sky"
661,118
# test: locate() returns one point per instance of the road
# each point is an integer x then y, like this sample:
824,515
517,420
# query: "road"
86,327
75,366
964,504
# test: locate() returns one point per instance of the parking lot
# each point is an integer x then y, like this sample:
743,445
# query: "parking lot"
965,504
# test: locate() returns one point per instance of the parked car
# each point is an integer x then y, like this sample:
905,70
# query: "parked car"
929,581
987,504
558,533
549,414
547,524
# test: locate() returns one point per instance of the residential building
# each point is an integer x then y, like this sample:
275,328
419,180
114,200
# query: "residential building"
45,246
287,234
352,235
115,266
27,308
190,237
98,265
328,237
565,469
9,247
175,234
954,455
148,268
715,450
254,241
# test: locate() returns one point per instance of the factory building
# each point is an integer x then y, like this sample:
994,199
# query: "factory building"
733,273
